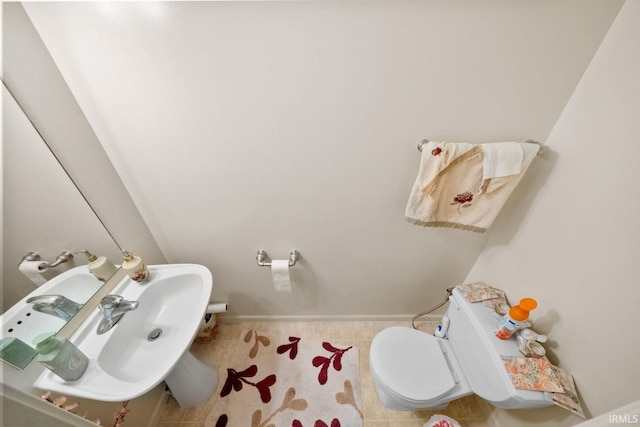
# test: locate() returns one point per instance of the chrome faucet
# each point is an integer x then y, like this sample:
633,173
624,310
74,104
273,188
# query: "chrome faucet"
55,305
113,307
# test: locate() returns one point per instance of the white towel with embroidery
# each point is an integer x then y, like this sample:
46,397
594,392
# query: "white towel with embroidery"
451,189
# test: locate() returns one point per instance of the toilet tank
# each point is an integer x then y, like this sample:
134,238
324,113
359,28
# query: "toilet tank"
479,351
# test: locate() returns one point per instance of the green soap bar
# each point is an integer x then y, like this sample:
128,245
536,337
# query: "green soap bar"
16,353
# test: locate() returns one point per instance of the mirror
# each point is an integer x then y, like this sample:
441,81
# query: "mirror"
43,211
48,143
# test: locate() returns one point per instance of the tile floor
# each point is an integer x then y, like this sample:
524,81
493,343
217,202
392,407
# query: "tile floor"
467,411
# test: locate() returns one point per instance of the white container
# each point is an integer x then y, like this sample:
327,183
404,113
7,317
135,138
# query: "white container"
515,319
62,357
208,328
100,266
506,327
135,267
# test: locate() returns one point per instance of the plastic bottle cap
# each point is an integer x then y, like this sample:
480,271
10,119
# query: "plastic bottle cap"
41,337
128,257
521,311
47,345
91,257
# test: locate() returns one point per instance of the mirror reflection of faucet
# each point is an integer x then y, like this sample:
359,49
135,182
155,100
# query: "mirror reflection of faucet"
113,307
55,305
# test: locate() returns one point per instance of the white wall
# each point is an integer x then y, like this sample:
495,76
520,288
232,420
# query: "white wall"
576,249
239,126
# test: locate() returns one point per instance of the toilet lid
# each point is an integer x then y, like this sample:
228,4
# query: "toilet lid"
411,364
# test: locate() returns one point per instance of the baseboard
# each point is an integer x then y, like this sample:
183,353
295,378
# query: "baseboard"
226,318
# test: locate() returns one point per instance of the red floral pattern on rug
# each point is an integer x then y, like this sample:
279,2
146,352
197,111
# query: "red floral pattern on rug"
291,391
235,380
325,362
292,347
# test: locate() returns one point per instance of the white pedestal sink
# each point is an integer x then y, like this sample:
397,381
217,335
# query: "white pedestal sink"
191,382
149,344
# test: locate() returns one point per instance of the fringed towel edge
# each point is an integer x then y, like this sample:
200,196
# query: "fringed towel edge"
445,224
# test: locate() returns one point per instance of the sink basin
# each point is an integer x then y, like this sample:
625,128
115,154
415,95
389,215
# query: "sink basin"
147,344
23,322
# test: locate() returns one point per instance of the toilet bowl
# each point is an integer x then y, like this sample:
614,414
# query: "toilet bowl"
406,382
412,369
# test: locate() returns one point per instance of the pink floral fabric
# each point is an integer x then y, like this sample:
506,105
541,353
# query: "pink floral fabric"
532,373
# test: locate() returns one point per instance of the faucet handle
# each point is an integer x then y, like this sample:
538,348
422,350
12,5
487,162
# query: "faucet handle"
109,303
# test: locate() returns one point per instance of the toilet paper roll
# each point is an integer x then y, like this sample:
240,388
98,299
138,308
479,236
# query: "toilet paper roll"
217,307
280,274
32,270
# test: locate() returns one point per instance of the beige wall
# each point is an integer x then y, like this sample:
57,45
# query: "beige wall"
239,126
570,238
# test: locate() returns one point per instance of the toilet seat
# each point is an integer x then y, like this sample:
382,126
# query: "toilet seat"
411,364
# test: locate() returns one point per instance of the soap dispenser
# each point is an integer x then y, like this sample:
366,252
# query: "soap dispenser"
135,267
100,266
62,357
513,320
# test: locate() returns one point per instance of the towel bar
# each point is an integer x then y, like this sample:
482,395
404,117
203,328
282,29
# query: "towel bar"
262,256
422,142
532,141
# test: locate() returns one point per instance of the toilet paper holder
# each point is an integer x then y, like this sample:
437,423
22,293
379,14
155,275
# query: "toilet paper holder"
35,256
262,256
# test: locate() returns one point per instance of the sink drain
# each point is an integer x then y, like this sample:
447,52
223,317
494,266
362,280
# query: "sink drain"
154,335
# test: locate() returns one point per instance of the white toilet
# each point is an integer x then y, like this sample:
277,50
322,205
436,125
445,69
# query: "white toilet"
415,370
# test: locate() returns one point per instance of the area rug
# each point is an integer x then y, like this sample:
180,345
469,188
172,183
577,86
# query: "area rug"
287,381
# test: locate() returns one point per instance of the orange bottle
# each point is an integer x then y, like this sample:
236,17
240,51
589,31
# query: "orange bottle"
512,321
